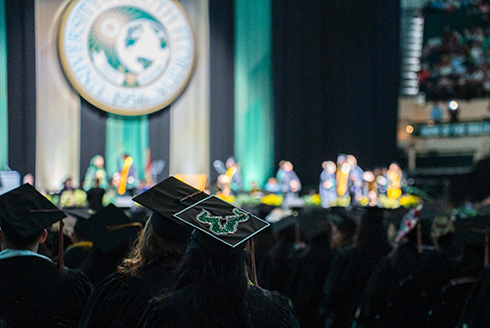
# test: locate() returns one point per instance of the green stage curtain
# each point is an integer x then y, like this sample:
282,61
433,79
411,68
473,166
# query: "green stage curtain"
3,89
126,135
254,141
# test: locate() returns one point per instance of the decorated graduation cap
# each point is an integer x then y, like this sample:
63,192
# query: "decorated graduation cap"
25,213
166,199
409,222
222,221
109,228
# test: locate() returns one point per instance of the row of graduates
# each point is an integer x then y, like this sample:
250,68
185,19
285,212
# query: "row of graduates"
173,276
372,267
336,268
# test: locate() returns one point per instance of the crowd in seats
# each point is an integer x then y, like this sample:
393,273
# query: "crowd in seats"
456,65
455,5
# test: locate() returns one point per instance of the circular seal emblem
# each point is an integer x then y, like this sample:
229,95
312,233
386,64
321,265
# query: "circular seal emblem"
129,57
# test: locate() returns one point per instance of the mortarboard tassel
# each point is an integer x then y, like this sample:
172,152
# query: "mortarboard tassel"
61,262
254,266
419,238
485,260
115,227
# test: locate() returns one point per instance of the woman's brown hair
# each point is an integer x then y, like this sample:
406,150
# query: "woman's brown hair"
152,248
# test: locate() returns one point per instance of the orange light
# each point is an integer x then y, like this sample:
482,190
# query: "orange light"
409,129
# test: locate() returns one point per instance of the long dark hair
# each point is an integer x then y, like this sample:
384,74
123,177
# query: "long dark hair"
152,248
220,283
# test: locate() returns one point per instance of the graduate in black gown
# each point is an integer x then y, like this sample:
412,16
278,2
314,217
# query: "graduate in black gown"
311,266
149,268
404,284
352,268
112,233
277,267
212,288
35,291
77,254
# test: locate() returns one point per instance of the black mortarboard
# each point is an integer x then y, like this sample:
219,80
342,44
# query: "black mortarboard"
109,228
222,221
344,223
24,213
80,215
281,220
314,222
166,199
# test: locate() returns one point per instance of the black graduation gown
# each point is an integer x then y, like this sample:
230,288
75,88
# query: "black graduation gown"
267,309
77,256
397,268
99,265
275,273
476,313
35,293
311,266
121,299
346,283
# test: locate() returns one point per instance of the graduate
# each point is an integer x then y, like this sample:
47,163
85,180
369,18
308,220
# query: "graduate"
404,284
111,232
213,288
289,183
35,291
352,268
77,254
148,270
277,267
327,188
311,266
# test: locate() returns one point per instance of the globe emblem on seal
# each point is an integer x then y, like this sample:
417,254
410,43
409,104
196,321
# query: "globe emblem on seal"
128,57
128,47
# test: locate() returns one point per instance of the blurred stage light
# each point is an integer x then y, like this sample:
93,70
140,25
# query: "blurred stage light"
453,105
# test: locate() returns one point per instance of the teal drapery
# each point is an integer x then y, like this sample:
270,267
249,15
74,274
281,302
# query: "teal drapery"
3,89
254,142
126,135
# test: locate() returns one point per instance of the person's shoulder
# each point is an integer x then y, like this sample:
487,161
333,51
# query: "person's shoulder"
76,279
270,306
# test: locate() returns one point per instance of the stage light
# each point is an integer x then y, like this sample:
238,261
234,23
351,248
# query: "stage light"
453,105
409,129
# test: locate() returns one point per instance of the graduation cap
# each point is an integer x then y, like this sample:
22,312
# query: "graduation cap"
409,222
222,221
281,219
109,228
345,224
166,199
80,215
314,222
25,213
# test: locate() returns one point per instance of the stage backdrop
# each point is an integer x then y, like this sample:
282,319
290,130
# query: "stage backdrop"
67,131
254,144
335,77
57,105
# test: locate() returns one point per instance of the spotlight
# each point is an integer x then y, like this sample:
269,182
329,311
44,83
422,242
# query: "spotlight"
409,129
